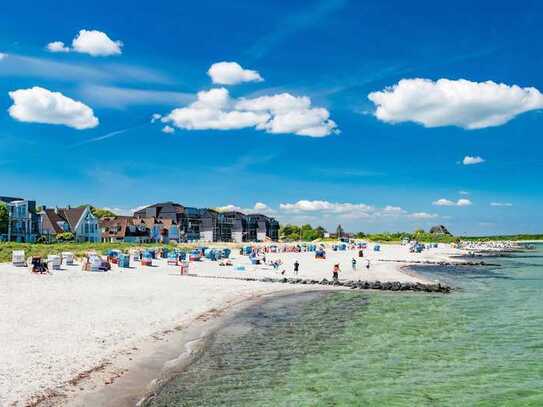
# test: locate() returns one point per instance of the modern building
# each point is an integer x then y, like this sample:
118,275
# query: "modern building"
208,225
79,221
23,224
261,228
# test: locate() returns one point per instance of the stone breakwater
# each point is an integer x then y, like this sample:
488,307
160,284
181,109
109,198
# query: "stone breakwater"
444,263
352,284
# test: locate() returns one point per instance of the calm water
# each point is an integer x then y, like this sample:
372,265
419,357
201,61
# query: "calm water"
482,345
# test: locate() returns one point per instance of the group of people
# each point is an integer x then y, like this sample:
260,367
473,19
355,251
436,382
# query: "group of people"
335,270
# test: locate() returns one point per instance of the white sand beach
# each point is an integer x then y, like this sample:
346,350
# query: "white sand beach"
55,327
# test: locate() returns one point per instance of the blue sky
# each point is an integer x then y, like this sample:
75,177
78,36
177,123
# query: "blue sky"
324,154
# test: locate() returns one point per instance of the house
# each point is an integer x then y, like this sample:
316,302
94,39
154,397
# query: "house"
23,221
124,229
172,221
8,199
161,230
79,221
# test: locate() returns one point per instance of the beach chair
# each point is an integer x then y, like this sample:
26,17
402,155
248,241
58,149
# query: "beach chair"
18,258
68,258
123,261
53,262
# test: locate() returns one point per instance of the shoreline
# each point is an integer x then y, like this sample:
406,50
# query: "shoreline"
130,365
159,361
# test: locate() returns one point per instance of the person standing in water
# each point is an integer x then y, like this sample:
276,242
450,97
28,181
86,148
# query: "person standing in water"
296,267
335,272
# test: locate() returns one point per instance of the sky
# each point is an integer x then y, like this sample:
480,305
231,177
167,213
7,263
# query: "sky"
378,117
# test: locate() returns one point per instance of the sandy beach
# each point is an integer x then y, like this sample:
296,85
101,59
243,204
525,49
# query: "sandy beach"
71,327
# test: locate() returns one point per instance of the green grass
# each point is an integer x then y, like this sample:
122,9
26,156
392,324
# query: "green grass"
79,249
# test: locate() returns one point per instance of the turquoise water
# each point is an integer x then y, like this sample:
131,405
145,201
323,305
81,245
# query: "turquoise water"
480,346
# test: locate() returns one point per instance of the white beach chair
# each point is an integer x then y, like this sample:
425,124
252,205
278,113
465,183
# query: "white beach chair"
18,258
53,262
68,258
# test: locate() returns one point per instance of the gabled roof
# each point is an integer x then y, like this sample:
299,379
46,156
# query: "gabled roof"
51,219
72,215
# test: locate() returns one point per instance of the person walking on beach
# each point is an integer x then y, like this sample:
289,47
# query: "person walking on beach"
296,267
335,272
368,264
353,262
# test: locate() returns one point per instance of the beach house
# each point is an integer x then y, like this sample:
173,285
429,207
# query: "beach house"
79,221
23,221
124,229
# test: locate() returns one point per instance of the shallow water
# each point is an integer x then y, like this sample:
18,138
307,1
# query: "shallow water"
481,345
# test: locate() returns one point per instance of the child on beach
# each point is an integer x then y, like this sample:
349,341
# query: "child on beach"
335,272
368,264
296,267
353,262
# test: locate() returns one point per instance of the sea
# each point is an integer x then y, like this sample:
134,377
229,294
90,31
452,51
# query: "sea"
481,345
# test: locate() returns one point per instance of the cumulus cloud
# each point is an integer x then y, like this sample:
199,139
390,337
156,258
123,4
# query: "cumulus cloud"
39,105
283,113
291,114
3,56
258,207
57,46
92,42
462,103
501,204
231,73
168,130
448,202
469,160
346,209
212,110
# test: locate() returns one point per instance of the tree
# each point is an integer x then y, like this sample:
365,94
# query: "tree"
4,218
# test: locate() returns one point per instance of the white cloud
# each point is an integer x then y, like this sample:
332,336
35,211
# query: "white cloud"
507,204
155,117
96,43
258,207
344,209
92,42
462,103
284,113
39,105
3,56
291,114
211,111
444,202
469,160
463,202
448,202
423,215
57,46
463,192
168,130
393,209
231,73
